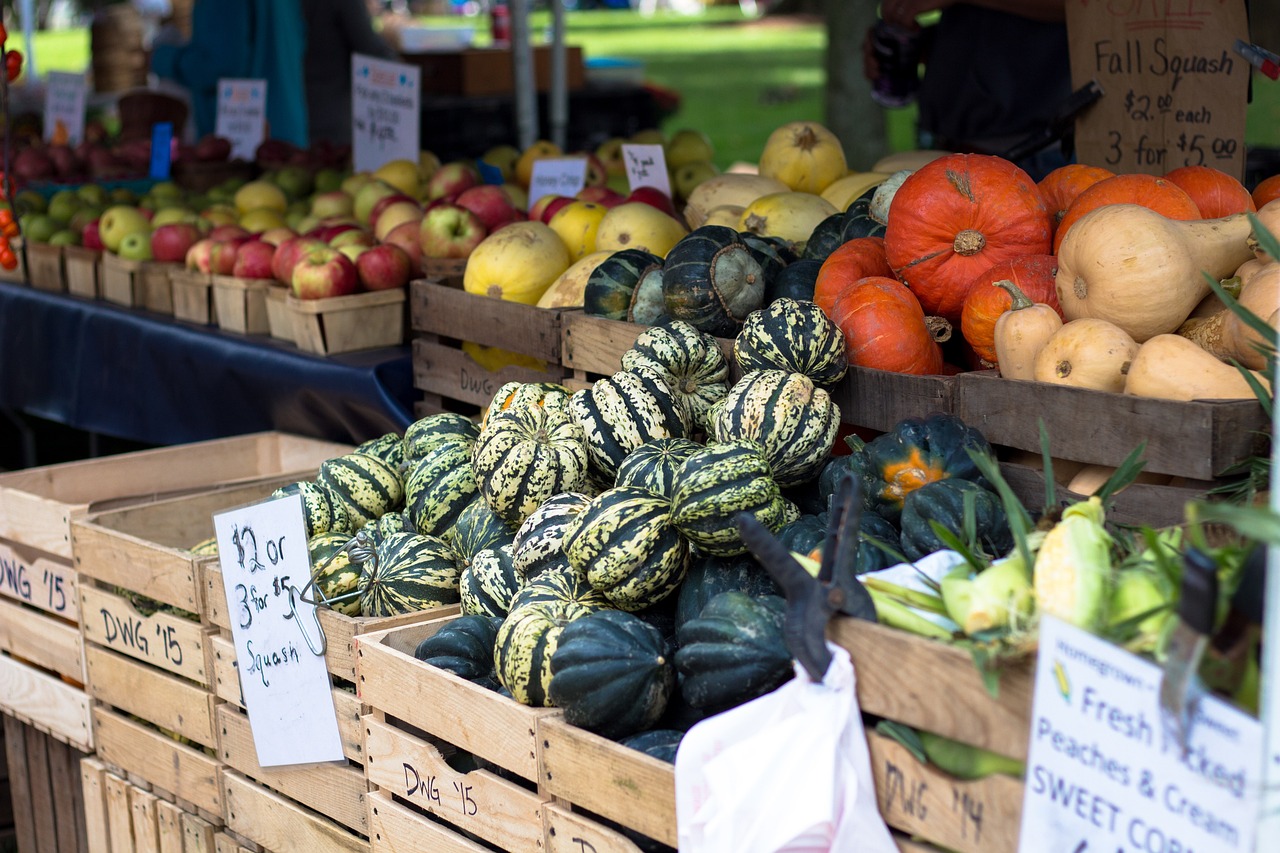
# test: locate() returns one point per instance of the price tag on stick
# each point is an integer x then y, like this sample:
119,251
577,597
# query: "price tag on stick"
242,115
1104,775
646,167
1174,89
558,176
263,552
64,98
385,112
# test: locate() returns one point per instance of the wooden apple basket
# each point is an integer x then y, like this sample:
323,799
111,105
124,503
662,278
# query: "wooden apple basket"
348,323
137,284
241,304
82,267
192,295
44,261
279,315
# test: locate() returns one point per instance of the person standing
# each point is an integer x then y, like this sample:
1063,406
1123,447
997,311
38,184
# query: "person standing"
336,29
254,39
995,72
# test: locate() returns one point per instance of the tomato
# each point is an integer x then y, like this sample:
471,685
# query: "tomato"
12,64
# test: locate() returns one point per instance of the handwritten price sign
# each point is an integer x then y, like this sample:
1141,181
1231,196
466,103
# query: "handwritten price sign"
558,176
385,108
1174,90
242,115
265,564
647,167
64,98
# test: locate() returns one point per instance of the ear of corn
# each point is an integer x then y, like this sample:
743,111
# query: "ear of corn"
1073,567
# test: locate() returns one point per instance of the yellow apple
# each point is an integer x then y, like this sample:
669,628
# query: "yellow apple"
577,223
368,196
428,162
519,196
351,184
610,153
401,174
686,177
260,194
688,146
219,214
261,219
540,150
396,213
503,158
636,225
648,136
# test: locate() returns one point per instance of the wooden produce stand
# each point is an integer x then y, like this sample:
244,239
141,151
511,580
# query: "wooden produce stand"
125,814
40,803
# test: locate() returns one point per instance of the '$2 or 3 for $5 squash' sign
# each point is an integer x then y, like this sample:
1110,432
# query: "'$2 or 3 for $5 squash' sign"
279,645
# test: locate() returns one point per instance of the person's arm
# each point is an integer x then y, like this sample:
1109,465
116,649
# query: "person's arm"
218,47
904,12
356,23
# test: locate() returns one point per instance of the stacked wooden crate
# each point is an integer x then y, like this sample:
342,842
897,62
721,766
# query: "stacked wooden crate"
125,814
40,803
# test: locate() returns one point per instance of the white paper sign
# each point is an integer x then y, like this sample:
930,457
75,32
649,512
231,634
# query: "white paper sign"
64,97
646,167
1103,777
557,176
286,687
242,115
385,100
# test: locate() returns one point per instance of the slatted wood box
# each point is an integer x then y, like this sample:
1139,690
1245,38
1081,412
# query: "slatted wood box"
192,296
42,792
137,284
125,815
280,824
83,271
445,317
44,262
341,324
420,715
240,304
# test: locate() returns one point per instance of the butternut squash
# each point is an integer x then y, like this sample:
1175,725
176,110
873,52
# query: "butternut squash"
1021,332
1228,337
1269,216
1090,478
1211,304
1249,269
1087,353
1170,367
1133,267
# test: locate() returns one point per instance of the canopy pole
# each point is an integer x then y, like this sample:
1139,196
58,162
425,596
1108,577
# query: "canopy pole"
559,106
526,90
28,12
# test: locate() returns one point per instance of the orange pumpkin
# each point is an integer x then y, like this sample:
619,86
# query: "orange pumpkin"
1215,193
957,216
857,259
1035,275
1163,196
1061,186
1268,190
885,328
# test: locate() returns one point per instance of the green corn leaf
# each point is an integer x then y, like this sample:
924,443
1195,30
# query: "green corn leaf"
1050,486
1265,238
905,736
1020,522
1124,475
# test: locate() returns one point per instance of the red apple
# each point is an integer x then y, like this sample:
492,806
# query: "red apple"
452,179
385,202
226,232
224,255
449,231
212,148
551,208
601,195
491,205
323,272
326,232
170,243
384,267
89,236
287,255
254,260
276,236
200,256
654,197
408,236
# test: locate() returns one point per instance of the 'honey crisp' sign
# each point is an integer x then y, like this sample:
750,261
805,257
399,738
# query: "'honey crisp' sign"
1174,90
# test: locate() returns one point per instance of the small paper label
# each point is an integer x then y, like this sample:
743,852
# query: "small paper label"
263,552
1102,774
64,98
385,100
647,167
242,115
561,176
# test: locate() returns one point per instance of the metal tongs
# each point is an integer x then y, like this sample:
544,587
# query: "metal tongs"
812,601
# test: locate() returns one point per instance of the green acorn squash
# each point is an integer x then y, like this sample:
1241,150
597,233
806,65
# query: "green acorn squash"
712,280
826,238
796,281
734,651
656,743
612,285
858,222
709,576
943,501
464,647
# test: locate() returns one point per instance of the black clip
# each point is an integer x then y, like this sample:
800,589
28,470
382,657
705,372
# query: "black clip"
811,602
1060,125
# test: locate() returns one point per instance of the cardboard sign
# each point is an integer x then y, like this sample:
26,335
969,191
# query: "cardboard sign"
1102,775
242,115
64,98
647,167
1173,87
385,101
559,176
283,678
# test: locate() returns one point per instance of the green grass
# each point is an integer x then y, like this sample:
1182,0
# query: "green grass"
738,79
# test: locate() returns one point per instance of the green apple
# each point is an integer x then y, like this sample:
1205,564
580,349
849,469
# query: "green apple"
30,201
92,194
82,217
369,195
119,222
171,215
352,183
63,204
688,146
686,178
328,180
65,237
295,181
220,195
38,227
123,195
167,190
136,246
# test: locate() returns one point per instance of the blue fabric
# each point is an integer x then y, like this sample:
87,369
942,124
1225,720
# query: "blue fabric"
260,39
144,377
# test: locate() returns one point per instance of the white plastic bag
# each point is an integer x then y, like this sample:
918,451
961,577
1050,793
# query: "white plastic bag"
786,773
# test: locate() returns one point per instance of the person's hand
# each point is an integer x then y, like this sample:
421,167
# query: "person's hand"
904,12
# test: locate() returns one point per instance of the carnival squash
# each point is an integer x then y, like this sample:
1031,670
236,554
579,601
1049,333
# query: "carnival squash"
1021,332
855,260
1215,193
1034,275
1171,367
1142,271
1227,336
1086,353
1162,196
886,329
958,216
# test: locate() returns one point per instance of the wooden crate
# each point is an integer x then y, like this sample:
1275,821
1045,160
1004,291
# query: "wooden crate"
593,346
446,271
444,317
157,286
1197,439
192,296
279,317
241,304
394,828
394,683
170,702
120,282
37,505
48,808
124,814
348,323
45,264
83,268
189,774
280,824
